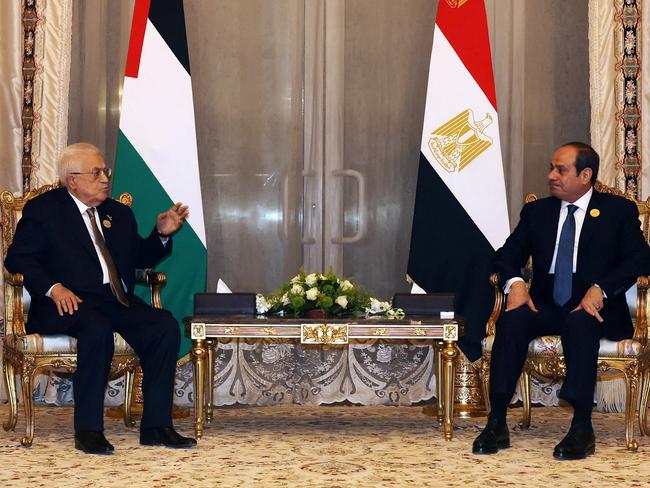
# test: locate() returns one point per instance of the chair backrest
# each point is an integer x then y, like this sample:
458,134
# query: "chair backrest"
11,211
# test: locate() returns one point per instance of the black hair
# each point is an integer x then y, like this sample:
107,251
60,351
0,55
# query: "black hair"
587,157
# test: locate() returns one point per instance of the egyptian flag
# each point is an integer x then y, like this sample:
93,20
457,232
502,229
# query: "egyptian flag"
156,157
460,215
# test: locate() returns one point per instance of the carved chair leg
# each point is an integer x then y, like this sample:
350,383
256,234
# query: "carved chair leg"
10,381
128,398
485,381
631,384
643,406
524,384
27,379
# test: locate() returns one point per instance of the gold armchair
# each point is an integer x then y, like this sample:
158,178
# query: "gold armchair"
30,354
631,357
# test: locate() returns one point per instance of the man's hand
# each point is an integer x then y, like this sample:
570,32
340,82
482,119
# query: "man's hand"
64,299
170,221
519,296
592,303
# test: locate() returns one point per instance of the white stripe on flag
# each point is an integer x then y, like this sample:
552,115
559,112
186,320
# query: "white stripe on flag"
479,187
157,113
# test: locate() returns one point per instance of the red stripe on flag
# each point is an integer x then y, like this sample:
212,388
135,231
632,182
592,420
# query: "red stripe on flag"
465,28
138,27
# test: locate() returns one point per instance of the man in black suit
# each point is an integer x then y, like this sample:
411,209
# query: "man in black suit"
78,251
587,249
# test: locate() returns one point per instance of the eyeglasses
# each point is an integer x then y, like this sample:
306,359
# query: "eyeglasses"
108,172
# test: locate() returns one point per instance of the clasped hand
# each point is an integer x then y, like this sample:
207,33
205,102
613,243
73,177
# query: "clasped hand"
170,221
592,302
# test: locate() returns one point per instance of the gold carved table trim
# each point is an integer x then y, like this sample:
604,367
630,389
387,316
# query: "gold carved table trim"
205,332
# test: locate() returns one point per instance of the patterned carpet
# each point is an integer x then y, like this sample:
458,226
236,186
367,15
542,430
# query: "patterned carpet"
340,446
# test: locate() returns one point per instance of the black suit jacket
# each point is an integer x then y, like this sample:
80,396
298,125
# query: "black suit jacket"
612,252
52,245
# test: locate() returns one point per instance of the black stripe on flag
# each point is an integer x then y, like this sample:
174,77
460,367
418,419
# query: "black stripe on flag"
449,253
169,19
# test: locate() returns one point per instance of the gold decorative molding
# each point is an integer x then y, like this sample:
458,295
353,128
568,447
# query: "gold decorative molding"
379,331
324,334
451,332
198,331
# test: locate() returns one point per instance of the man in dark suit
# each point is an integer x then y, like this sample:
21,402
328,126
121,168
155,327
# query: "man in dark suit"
78,251
587,249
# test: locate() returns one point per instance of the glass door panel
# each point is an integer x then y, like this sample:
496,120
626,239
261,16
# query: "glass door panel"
250,136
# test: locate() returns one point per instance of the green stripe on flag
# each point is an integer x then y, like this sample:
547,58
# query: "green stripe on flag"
186,267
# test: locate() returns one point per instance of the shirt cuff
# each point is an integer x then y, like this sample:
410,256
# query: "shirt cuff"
508,285
48,294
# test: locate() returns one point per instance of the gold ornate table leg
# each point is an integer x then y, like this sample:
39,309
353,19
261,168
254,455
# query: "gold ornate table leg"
199,354
449,354
211,347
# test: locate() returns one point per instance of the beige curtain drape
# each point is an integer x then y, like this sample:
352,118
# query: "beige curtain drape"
51,88
11,93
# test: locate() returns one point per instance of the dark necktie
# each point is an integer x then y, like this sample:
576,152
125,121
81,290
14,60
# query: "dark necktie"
113,276
564,259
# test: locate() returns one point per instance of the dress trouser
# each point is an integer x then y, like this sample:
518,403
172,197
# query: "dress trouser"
580,333
152,333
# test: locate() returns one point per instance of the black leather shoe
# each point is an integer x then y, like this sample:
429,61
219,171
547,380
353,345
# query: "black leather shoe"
165,436
495,436
579,443
92,442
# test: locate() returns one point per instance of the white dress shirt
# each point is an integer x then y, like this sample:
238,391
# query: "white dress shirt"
579,215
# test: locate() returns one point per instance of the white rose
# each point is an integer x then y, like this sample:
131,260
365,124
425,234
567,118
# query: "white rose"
297,290
295,279
285,299
261,304
311,279
342,300
374,306
312,294
346,285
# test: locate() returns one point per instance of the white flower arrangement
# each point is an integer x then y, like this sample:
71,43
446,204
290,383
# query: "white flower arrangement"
327,292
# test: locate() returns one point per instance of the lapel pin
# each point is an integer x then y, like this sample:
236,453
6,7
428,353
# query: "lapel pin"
594,212
106,223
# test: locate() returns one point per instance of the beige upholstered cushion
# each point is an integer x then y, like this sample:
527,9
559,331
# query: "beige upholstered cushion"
552,345
59,343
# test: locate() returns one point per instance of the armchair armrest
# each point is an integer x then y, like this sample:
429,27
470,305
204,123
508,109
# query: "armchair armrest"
15,310
155,280
499,299
641,325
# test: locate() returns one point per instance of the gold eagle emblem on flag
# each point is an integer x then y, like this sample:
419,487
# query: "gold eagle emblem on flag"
456,3
457,142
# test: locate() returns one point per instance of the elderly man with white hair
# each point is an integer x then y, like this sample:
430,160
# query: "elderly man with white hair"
78,251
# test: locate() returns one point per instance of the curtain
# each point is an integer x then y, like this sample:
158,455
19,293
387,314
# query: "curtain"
11,96
51,89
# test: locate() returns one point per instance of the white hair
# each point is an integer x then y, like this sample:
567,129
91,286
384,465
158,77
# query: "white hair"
71,157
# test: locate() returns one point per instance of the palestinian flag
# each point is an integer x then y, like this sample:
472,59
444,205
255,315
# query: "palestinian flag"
461,216
156,157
